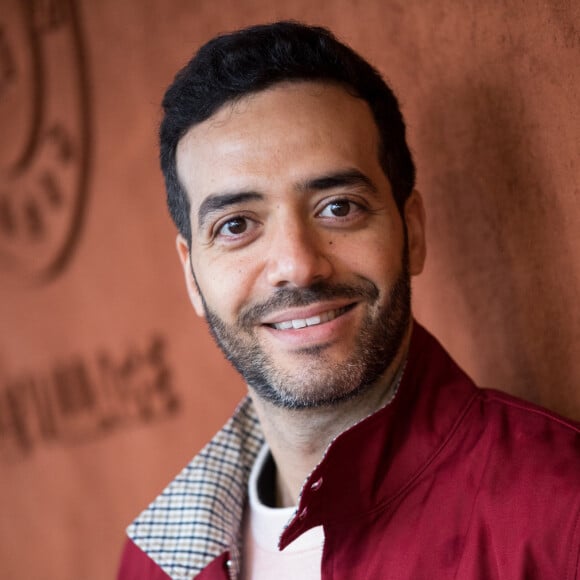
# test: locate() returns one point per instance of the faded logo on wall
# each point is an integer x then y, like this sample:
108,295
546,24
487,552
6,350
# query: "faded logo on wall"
44,144
85,396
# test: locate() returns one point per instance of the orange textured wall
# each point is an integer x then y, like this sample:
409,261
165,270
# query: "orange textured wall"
108,382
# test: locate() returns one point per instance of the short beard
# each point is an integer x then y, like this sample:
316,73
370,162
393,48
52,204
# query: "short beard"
375,350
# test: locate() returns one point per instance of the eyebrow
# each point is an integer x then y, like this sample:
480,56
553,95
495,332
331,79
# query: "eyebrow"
347,178
219,201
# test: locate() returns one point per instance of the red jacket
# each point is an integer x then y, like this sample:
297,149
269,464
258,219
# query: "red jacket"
446,482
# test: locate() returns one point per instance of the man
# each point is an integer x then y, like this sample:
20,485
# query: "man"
362,450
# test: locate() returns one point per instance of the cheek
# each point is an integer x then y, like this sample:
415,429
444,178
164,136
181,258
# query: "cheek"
226,286
373,255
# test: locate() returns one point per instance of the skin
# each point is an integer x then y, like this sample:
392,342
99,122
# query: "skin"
266,228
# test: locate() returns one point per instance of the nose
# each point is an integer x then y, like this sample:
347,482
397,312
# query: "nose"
295,255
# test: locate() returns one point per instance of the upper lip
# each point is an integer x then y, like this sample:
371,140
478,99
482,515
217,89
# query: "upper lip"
306,311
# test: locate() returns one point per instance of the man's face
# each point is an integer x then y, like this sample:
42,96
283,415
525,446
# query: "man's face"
299,254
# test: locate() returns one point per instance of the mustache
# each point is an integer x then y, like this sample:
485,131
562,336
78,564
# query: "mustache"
295,297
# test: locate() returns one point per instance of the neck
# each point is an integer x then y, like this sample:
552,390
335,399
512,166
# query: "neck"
299,438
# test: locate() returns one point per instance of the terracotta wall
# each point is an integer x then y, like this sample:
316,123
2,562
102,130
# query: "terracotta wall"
108,382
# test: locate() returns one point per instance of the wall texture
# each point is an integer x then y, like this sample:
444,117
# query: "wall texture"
108,382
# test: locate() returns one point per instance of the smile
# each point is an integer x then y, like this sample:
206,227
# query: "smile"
298,323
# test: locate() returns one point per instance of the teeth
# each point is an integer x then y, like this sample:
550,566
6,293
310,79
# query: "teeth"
312,321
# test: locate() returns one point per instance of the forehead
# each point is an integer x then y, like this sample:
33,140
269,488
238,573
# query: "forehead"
281,135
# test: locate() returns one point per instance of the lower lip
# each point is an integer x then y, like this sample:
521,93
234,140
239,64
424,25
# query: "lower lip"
316,335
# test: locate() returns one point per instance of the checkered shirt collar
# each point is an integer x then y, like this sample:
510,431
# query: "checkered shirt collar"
198,516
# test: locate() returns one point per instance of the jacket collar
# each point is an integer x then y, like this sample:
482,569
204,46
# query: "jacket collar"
372,463
198,516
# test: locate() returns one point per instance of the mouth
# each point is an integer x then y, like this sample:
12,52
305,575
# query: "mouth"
298,323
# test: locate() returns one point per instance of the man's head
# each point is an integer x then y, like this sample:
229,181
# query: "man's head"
299,253
232,66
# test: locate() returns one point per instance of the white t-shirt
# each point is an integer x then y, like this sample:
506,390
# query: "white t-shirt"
262,527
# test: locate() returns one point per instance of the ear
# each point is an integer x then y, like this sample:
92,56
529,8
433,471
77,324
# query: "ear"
192,288
415,219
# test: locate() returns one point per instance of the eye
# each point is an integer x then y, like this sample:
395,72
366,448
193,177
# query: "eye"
338,208
233,227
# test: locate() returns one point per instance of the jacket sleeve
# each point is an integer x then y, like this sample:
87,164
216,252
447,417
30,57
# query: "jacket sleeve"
574,567
137,565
